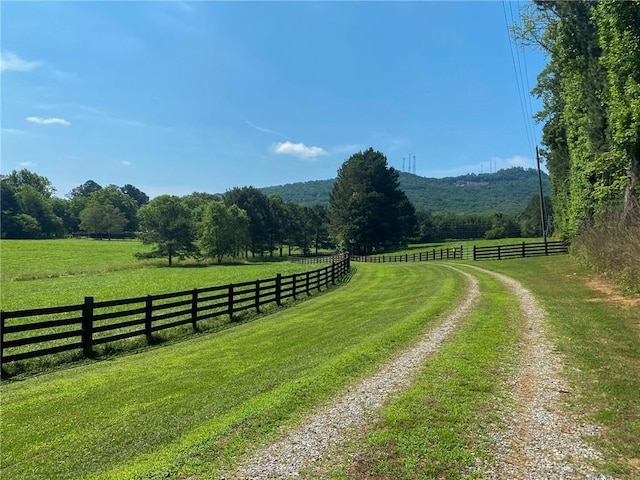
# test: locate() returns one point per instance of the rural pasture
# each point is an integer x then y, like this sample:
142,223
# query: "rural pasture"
196,407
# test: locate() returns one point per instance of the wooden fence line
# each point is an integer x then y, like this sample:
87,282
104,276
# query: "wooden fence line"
91,323
313,260
519,250
451,253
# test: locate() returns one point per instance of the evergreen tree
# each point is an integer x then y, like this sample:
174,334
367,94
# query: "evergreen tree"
367,208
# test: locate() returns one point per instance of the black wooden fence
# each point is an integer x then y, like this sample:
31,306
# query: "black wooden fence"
451,253
313,260
38,332
519,250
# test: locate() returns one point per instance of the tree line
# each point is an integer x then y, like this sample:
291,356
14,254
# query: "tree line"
368,213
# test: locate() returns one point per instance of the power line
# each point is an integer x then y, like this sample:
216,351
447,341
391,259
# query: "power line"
517,69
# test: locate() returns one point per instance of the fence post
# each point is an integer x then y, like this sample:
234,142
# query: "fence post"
194,309
278,289
87,327
461,252
257,296
148,315
1,343
474,253
499,253
308,281
523,250
230,302
333,273
293,285
546,247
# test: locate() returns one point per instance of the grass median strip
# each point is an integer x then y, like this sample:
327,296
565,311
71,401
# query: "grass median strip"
190,408
438,428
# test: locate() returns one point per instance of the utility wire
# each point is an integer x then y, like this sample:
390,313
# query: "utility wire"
517,69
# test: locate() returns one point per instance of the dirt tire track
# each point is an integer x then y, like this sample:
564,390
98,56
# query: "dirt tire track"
542,440
328,428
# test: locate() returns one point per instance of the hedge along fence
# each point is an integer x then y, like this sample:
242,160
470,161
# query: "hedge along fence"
519,250
28,334
451,253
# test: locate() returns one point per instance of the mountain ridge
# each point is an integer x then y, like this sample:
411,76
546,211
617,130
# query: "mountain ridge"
505,191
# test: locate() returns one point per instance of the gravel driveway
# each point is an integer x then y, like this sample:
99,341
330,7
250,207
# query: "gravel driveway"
538,441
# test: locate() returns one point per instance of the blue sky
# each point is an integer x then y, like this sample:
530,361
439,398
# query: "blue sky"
176,97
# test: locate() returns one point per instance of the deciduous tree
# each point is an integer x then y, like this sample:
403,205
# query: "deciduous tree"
167,223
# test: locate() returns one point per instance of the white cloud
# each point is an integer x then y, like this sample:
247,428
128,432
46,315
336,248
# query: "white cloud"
11,62
28,164
126,163
48,121
299,150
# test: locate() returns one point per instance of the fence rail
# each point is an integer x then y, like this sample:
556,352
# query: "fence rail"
519,250
313,260
26,334
451,253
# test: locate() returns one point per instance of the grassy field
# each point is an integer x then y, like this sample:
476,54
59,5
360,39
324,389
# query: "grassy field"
196,405
190,409
46,273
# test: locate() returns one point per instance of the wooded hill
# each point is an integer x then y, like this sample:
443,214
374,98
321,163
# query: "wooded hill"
506,191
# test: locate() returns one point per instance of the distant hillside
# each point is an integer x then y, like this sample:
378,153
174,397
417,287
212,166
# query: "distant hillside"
506,191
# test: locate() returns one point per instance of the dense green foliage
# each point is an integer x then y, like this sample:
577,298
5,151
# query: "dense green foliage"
506,191
590,90
367,210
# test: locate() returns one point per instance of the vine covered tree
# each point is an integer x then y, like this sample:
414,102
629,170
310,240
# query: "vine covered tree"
367,209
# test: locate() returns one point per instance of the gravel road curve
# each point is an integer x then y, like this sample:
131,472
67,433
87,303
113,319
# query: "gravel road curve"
327,428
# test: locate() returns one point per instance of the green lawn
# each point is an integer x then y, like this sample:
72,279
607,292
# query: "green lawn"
194,406
46,273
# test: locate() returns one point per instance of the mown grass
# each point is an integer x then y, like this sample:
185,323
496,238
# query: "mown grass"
599,335
190,409
47,273
439,427
33,259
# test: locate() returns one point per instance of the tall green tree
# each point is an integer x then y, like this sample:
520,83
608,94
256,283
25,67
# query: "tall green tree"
136,194
619,36
102,219
367,208
256,204
112,195
166,222
225,231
